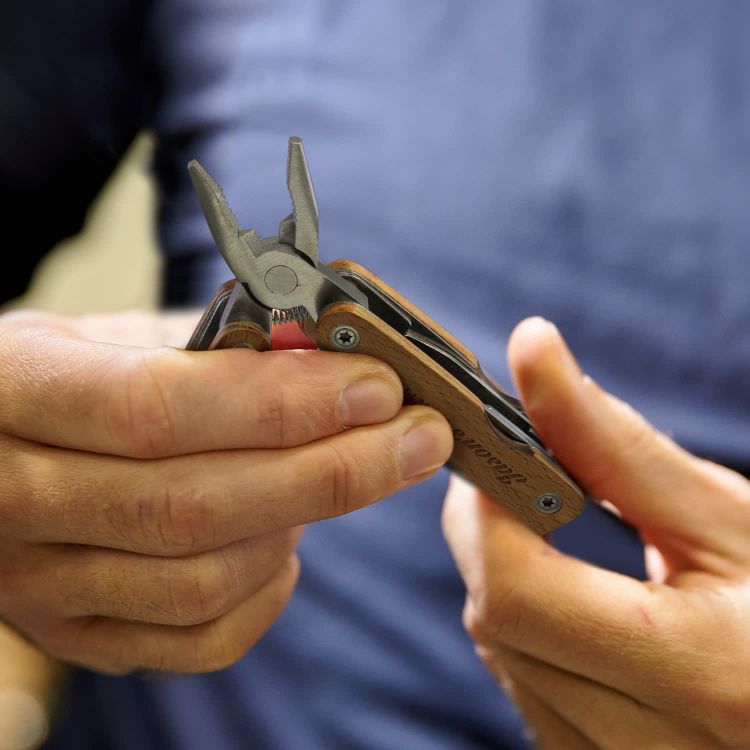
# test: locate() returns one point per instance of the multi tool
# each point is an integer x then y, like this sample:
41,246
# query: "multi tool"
343,307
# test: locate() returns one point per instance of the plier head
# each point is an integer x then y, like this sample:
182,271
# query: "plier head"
282,275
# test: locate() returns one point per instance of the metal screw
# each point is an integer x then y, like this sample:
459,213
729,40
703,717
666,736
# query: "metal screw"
345,338
548,504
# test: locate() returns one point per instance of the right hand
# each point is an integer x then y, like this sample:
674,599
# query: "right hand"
151,499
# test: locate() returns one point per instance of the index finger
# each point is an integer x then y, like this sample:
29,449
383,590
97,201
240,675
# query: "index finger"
59,389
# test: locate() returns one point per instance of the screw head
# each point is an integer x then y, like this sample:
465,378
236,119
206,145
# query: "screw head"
548,504
345,338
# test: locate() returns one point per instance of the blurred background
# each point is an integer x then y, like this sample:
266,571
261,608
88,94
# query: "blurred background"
113,263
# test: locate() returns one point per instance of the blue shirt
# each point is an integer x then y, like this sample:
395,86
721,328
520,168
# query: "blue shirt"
583,161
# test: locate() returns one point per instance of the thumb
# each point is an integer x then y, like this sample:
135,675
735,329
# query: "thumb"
665,492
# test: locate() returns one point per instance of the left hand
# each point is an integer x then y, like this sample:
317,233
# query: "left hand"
595,659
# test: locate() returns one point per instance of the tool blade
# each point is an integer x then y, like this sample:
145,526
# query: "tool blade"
232,241
305,205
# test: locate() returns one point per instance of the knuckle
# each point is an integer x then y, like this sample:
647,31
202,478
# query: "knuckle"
496,615
177,520
342,482
220,644
216,649
28,483
185,522
200,589
274,418
138,416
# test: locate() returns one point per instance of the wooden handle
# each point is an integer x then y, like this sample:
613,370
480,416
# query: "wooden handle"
512,473
210,334
413,310
241,334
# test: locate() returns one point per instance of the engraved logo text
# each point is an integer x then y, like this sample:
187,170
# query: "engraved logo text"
502,471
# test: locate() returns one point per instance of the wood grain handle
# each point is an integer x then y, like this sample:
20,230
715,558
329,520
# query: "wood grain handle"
513,473
241,334
211,334
411,308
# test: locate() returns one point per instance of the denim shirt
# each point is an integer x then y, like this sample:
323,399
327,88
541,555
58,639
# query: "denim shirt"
586,161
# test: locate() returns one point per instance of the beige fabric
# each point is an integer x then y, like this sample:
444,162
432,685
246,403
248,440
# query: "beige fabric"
113,264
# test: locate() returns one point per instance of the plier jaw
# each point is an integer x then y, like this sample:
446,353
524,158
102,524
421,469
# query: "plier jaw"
281,278
344,307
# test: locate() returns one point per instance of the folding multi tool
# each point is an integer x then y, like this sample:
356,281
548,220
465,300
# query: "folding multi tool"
343,307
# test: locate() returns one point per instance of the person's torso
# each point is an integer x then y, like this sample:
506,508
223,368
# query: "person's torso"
582,161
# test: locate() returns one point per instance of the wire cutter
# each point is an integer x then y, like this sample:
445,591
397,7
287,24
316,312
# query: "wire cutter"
344,307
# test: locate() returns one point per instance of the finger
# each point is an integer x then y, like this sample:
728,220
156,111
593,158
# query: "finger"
607,718
546,729
137,328
189,504
617,455
62,390
602,625
76,581
117,647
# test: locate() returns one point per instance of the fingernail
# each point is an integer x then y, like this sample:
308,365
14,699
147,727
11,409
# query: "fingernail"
565,357
368,401
426,447
542,326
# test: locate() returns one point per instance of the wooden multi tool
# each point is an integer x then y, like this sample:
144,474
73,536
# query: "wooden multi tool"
344,307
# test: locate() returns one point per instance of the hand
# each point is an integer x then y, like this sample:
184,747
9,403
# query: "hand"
596,659
151,499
